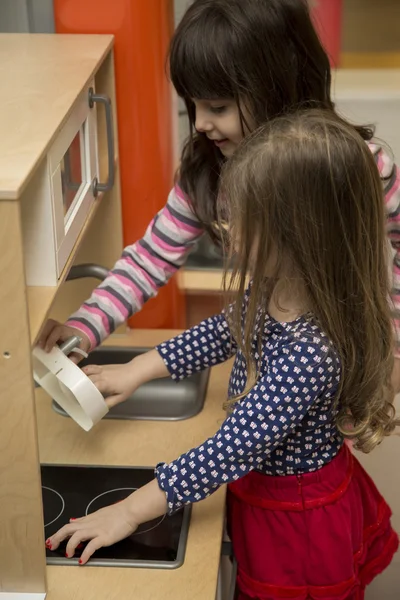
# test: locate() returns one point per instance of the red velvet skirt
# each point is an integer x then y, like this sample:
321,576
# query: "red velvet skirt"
318,536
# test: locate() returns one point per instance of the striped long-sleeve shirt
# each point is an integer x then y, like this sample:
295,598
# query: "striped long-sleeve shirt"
148,264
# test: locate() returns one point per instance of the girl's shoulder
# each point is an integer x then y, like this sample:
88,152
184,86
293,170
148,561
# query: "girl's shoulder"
302,342
383,158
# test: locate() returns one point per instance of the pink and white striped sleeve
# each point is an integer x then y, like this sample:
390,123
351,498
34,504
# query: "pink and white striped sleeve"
143,268
390,175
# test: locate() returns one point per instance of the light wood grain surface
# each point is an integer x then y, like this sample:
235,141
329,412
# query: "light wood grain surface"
197,282
22,569
41,77
140,443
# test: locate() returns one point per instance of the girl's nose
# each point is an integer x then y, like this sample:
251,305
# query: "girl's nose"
203,123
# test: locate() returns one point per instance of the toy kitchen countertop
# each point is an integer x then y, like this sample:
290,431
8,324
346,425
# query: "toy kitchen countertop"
140,444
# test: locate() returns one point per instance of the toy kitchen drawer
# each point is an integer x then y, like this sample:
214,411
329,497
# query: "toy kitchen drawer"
57,202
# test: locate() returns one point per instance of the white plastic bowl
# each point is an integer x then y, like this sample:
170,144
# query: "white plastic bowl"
68,385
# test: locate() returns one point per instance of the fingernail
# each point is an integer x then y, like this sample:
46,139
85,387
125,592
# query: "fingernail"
66,555
48,541
73,519
79,546
80,561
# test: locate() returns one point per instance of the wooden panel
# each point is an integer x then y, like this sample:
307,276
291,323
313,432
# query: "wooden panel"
105,84
202,306
52,67
200,282
22,552
371,26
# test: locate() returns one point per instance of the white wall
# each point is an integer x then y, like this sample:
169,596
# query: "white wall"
26,16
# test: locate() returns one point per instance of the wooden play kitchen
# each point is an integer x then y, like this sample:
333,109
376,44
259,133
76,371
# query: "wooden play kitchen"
60,205
47,118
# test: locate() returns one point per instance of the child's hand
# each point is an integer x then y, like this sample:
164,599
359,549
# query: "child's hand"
54,332
105,527
118,382
115,382
112,524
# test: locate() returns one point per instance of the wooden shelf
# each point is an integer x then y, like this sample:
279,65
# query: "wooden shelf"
200,282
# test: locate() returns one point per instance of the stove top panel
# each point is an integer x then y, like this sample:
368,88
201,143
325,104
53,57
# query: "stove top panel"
75,491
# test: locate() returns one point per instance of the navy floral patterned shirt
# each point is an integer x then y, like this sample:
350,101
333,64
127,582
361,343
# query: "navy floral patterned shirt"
284,425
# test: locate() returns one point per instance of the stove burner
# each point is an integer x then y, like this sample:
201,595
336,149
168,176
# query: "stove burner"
113,497
53,504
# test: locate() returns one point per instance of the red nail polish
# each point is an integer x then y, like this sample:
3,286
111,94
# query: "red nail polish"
79,546
72,519
66,555
80,561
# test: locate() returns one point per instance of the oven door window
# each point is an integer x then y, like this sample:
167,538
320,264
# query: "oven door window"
73,176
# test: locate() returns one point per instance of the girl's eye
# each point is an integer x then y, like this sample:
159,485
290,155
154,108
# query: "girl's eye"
217,110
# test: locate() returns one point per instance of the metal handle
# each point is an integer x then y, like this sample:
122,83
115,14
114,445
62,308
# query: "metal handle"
105,100
87,270
69,345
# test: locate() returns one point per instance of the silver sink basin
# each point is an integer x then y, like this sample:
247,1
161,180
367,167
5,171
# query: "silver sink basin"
158,400
205,256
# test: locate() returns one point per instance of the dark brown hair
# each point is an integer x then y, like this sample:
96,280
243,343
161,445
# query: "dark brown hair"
264,52
306,186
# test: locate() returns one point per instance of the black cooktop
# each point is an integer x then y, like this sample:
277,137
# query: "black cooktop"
75,491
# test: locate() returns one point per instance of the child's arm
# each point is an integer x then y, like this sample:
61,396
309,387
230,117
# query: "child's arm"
142,270
202,346
297,376
205,345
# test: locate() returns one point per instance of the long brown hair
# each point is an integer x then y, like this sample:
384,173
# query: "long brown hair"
307,188
263,52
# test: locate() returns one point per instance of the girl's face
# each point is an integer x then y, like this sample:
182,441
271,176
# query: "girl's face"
220,121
